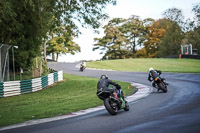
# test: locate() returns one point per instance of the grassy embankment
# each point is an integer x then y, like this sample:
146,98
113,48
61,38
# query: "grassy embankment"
143,65
73,94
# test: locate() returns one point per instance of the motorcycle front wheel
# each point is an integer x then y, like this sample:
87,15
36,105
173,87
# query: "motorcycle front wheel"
126,106
111,106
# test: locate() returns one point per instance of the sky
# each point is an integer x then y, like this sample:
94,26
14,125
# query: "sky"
124,9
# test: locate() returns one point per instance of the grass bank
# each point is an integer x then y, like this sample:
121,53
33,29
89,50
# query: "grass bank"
73,94
143,65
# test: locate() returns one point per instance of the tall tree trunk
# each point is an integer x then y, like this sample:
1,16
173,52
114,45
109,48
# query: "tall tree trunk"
45,51
134,44
53,56
57,57
120,56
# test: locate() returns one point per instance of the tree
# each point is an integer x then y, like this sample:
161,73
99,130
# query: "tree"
193,37
27,23
163,38
193,34
141,53
61,42
196,10
171,42
114,42
88,13
23,23
174,15
154,34
133,30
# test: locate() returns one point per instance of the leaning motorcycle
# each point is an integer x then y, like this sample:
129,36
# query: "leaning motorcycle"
112,102
161,84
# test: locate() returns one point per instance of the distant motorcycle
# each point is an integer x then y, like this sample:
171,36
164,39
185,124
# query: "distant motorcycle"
112,102
82,67
161,84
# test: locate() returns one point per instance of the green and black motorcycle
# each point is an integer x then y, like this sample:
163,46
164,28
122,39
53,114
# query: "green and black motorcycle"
112,101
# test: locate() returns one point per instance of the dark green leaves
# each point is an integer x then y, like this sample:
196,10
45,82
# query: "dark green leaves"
30,23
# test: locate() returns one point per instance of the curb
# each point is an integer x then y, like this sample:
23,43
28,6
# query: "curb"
142,92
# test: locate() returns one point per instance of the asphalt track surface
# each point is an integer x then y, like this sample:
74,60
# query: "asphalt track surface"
177,111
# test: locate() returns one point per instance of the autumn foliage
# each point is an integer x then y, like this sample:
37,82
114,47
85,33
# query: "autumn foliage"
134,37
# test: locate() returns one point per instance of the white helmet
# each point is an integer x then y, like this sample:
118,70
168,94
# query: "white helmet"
104,77
150,69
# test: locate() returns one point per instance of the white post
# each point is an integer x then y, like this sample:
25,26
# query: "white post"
8,66
181,49
14,60
13,63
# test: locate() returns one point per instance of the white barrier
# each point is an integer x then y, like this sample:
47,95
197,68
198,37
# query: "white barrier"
12,88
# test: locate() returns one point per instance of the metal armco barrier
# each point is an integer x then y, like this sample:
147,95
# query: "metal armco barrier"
13,88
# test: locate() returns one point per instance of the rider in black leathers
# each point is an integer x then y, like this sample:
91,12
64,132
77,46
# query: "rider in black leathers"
104,83
154,74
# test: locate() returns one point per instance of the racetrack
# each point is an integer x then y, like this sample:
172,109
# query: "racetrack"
177,111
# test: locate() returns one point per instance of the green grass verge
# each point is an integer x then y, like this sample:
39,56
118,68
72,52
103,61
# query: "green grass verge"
143,65
73,94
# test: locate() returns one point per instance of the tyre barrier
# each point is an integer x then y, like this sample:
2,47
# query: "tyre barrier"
12,88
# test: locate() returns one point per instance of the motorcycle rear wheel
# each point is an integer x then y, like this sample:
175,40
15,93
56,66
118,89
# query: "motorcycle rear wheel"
163,87
110,106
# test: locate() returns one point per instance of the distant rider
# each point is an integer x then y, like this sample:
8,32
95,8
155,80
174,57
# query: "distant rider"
83,64
153,74
104,83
